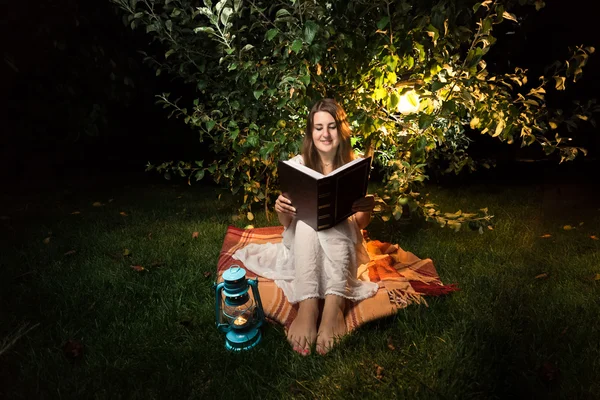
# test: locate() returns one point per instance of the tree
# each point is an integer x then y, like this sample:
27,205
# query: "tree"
411,75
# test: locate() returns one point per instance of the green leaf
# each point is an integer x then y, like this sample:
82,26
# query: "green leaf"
225,14
199,175
296,46
425,121
271,33
204,29
383,23
168,53
394,99
282,13
257,94
210,124
237,5
310,31
247,47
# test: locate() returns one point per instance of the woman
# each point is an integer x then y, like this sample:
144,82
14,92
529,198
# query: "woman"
309,265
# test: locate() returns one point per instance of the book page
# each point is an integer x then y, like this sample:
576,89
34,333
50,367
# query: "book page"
348,165
305,169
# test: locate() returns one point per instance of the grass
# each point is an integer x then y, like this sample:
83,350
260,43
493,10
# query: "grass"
151,334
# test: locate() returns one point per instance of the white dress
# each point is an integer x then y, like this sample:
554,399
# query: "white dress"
310,264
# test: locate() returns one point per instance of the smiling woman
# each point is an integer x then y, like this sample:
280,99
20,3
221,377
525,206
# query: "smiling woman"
309,265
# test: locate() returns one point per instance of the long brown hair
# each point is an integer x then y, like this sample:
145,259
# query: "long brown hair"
344,152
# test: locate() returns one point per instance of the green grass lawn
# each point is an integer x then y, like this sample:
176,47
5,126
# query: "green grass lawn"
151,334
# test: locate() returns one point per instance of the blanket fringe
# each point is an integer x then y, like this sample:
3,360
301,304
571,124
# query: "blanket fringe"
402,298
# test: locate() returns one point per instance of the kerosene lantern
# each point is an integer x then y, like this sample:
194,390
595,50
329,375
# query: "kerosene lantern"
239,313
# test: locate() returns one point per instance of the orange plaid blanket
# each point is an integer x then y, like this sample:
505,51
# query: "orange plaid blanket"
403,278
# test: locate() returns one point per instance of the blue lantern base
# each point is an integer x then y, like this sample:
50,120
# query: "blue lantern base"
237,340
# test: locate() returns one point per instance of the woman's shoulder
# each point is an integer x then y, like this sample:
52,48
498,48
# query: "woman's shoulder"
298,159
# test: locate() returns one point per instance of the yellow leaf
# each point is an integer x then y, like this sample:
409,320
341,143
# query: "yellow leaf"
568,227
249,227
597,277
250,216
318,69
552,125
97,204
46,241
594,237
581,223
542,276
545,236
126,252
137,268
123,213
76,212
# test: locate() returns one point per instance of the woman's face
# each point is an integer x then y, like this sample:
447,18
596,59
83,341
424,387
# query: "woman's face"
325,133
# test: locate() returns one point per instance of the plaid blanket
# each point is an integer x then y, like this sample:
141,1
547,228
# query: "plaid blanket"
403,278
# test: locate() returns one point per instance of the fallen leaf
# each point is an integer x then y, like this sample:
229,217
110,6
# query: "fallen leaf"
568,227
235,217
250,216
594,237
110,200
73,349
137,268
157,263
123,213
207,274
581,223
70,252
126,252
249,227
490,228
541,276
149,235
597,277
97,204
549,372
76,213
46,241
195,235
378,372
546,235
390,344
563,332
178,197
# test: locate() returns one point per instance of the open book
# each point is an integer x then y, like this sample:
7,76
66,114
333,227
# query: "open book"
322,201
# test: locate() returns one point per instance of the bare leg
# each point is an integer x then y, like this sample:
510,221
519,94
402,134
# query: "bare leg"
303,330
333,324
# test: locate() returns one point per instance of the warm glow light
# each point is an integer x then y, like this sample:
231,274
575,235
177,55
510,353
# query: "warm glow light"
409,103
239,321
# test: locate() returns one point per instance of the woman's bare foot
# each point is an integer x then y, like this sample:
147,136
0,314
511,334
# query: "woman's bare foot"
303,330
333,324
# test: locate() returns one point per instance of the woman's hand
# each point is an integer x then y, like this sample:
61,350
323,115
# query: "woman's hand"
283,205
364,204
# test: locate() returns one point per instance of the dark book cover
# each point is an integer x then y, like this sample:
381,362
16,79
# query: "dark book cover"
322,201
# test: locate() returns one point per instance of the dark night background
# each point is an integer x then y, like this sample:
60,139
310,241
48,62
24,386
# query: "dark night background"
80,101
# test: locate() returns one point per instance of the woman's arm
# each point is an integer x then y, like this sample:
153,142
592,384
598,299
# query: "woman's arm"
285,211
363,208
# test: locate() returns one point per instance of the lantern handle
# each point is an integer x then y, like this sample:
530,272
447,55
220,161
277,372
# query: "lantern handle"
218,290
261,313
